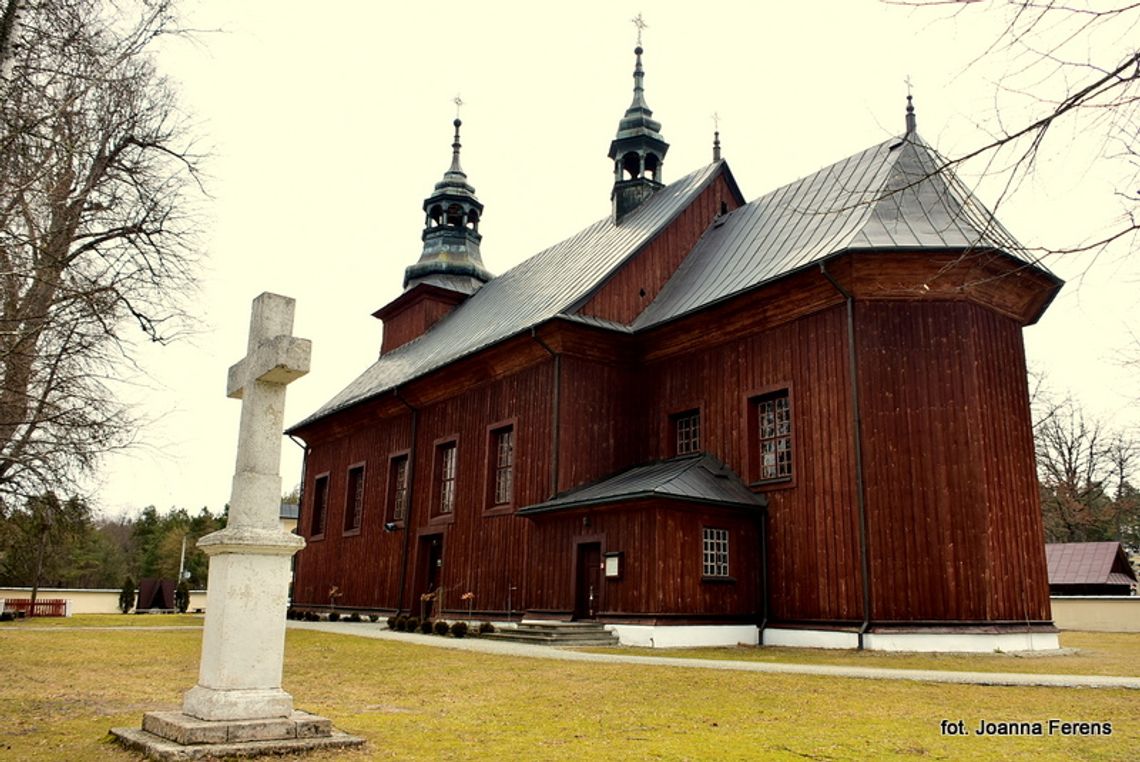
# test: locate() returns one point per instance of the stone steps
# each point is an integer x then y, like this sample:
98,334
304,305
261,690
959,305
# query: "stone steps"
557,634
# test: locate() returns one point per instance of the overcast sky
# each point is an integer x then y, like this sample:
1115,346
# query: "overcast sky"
328,127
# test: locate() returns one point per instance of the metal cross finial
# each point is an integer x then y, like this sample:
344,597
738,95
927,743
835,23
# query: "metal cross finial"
716,121
639,22
908,85
458,101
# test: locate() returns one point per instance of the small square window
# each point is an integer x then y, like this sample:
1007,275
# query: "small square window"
715,552
354,499
687,432
320,505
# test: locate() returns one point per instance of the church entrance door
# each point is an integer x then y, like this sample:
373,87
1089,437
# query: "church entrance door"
429,573
587,582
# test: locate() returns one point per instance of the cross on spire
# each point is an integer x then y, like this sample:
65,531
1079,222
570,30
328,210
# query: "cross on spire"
458,101
716,136
639,22
908,85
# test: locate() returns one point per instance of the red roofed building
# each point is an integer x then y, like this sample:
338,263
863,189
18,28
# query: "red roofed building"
1089,568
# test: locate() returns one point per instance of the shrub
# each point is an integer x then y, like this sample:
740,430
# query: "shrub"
426,625
459,629
442,627
486,627
412,624
311,616
354,617
127,596
402,622
334,616
392,622
374,617
182,597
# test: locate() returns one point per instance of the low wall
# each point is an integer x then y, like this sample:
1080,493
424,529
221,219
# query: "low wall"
89,601
1098,613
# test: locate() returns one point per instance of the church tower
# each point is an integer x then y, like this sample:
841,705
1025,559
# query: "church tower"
638,150
449,269
451,237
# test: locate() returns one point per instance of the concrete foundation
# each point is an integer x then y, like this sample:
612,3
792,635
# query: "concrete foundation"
177,736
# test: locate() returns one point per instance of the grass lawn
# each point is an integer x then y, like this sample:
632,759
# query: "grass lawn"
60,691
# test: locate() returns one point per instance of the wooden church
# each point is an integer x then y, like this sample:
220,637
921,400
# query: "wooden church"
798,420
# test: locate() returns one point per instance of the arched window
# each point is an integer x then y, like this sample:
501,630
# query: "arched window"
473,219
652,166
454,215
435,216
631,164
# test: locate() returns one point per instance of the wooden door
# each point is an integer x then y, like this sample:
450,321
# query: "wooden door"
588,578
431,568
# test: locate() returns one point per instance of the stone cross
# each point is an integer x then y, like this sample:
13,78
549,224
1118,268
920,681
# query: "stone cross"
243,642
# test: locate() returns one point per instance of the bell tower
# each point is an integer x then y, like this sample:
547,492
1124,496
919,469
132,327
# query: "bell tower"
638,150
451,237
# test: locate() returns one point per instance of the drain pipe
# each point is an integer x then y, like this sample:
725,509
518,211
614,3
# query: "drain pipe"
857,436
408,501
766,599
555,407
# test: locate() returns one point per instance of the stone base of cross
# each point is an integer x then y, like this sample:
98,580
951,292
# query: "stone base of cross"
238,701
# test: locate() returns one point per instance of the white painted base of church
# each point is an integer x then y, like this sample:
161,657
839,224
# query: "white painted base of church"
960,642
685,636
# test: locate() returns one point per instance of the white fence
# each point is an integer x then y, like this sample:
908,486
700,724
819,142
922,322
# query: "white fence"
80,601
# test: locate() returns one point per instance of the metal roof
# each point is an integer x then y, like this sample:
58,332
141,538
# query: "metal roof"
697,478
526,295
894,195
1088,563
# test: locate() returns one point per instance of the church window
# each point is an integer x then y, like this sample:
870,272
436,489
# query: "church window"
503,458
715,552
320,504
772,429
445,477
398,488
354,500
454,215
687,432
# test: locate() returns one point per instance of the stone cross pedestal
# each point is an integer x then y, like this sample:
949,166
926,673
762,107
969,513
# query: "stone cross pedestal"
238,706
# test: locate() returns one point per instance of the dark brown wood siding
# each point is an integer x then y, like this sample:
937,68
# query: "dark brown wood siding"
953,519
483,554
637,283
364,566
661,564
813,545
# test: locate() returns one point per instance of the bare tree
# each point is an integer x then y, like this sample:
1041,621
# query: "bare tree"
97,183
1066,69
1086,470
